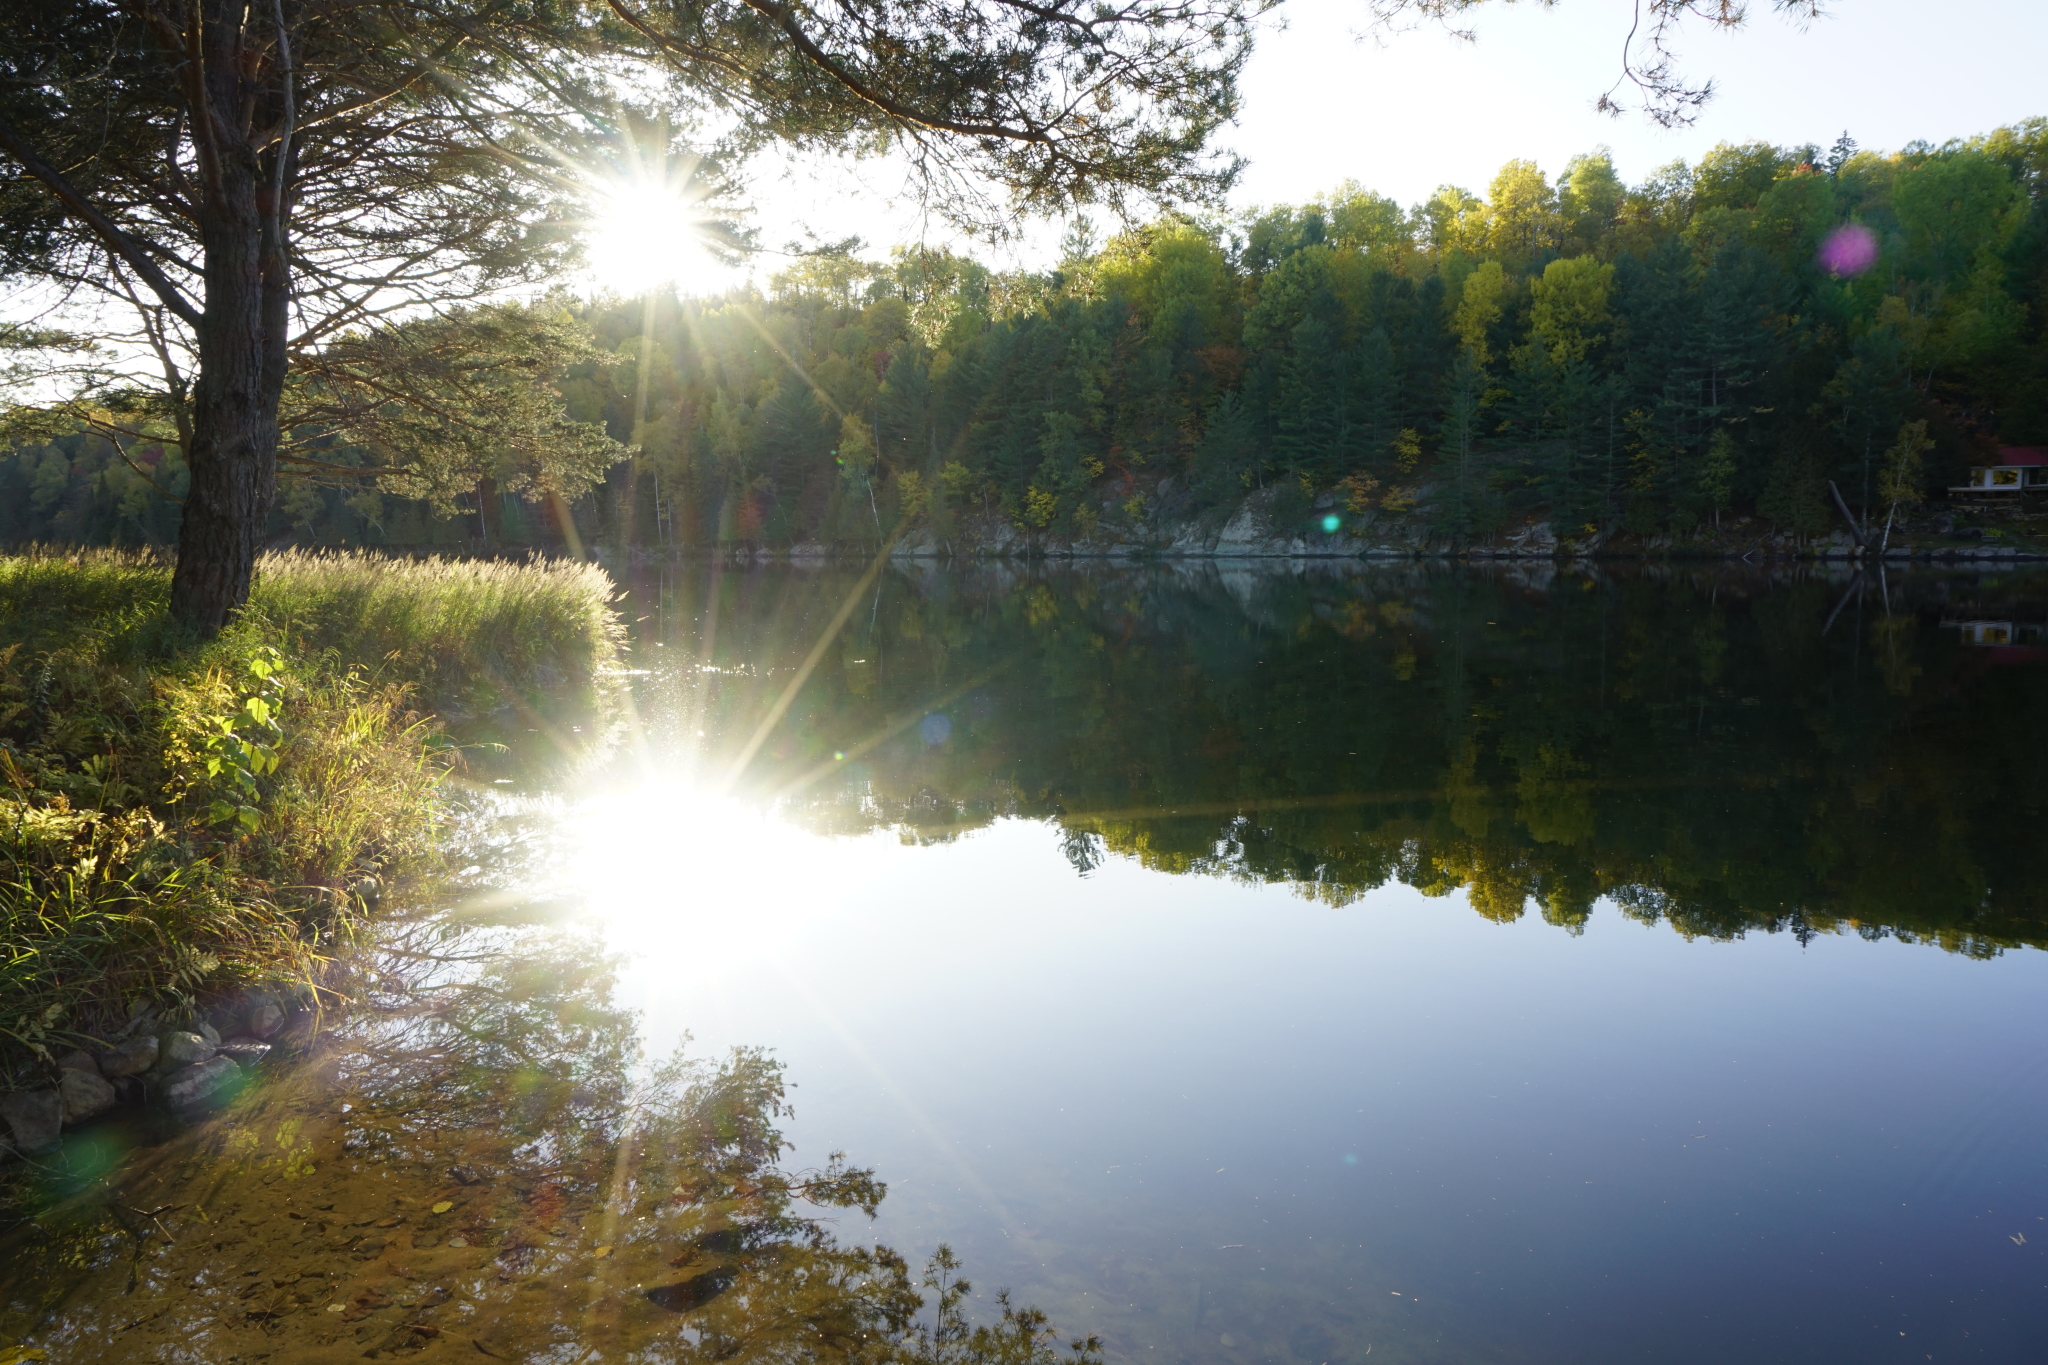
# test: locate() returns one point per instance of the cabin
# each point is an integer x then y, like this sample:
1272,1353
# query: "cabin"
1994,634
2005,642
2019,469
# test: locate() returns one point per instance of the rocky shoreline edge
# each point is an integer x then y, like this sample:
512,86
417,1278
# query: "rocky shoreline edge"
150,1067
1255,530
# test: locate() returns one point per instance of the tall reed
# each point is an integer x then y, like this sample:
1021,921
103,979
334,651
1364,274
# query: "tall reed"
465,632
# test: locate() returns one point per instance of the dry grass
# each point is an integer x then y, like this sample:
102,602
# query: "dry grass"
464,632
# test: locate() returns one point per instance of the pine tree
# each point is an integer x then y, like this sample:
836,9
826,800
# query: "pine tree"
1839,154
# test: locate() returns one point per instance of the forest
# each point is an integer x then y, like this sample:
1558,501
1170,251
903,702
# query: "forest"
1721,340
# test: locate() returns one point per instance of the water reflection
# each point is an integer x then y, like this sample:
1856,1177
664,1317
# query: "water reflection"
1085,904
1724,752
479,1159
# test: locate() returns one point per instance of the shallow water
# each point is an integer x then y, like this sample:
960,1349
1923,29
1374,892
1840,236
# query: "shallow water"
1295,964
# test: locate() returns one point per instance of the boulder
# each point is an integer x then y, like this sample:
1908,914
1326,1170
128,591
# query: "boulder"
265,1020
84,1094
131,1058
35,1117
245,1051
183,1049
193,1085
75,1060
208,1032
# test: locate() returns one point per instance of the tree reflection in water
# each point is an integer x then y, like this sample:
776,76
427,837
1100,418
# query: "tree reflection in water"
480,1161
1720,748
476,1162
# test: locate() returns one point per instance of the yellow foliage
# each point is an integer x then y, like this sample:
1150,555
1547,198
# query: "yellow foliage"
1568,313
1556,801
1521,212
1479,307
1407,449
1357,490
1040,507
911,494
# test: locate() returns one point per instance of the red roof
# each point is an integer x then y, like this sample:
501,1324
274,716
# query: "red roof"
2022,455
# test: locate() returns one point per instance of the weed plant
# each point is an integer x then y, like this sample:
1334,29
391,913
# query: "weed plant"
180,819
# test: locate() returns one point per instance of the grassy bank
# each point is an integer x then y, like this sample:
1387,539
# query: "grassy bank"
182,820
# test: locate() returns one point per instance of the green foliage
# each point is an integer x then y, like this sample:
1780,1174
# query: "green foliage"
1717,472
1899,474
429,408
179,819
1019,1336
1656,357
242,746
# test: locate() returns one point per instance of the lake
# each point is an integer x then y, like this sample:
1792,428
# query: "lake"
1273,962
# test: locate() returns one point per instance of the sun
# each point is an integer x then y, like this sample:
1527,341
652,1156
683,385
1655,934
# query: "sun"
644,236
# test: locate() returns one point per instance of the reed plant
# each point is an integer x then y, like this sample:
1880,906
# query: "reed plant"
465,633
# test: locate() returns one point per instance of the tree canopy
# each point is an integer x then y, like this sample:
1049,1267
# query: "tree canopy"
1657,356
230,192
1660,356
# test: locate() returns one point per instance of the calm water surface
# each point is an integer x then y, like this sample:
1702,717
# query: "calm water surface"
1283,965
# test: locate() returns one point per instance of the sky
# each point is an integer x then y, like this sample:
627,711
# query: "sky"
1403,113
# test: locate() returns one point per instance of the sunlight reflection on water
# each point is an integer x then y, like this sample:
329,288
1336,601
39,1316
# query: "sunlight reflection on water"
671,868
1222,1117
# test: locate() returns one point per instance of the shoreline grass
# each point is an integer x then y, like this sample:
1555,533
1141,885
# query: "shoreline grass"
183,820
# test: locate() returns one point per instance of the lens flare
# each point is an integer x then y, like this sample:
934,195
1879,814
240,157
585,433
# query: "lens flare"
644,235
665,858
1331,523
1849,250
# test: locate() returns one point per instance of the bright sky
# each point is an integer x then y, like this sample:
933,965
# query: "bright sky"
1409,111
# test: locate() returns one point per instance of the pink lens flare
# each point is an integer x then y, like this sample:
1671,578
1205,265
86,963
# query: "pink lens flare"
1850,249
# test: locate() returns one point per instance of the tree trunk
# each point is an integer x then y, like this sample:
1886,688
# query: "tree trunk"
1848,518
233,455
490,510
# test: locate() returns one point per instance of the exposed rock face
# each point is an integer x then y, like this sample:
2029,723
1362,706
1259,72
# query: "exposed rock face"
184,1049
84,1094
35,1117
196,1083
264,1021
131,1058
